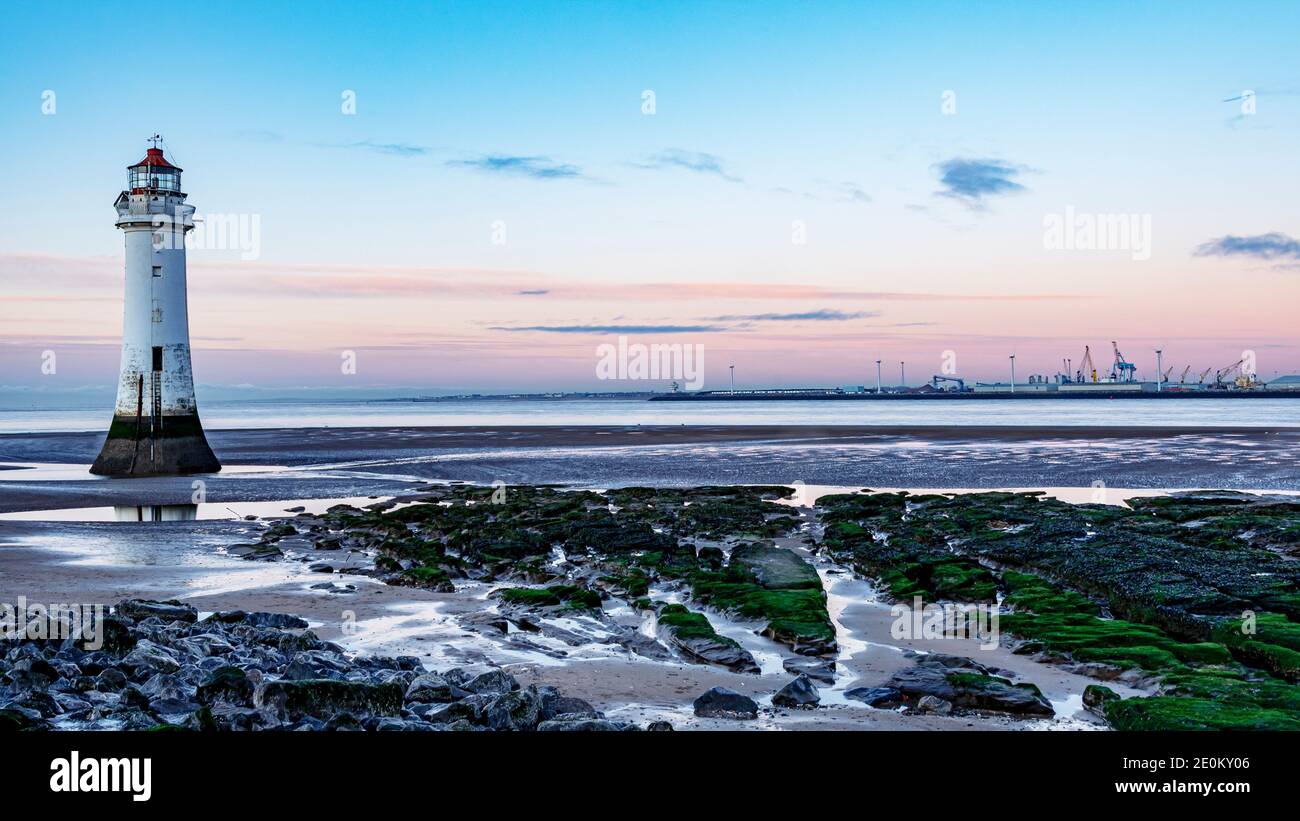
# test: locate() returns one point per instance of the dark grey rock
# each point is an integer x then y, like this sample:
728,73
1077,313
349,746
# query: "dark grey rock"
798,693
719,702
515,710
493,682
817,669
168,611
882,697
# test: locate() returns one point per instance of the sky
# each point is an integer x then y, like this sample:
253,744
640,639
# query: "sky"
475,197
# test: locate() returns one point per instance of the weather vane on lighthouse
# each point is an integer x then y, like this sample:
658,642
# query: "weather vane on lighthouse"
156,428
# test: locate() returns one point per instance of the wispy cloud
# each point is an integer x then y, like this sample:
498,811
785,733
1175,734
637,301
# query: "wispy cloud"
612,329
822,315
827,191
973,181
696,161
532,167
1271,247
533,292
45,275
391,149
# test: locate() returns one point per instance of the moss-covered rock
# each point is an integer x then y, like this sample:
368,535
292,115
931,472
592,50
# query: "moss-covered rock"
566,595
1177,713
694,636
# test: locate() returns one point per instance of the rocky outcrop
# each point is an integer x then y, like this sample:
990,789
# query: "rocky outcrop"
966,685
695,638
256,671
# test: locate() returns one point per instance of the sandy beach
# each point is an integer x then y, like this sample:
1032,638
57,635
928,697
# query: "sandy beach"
76,552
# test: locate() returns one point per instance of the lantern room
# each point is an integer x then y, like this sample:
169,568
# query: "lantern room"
154,174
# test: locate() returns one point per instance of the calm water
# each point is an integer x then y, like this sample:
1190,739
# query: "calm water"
248,414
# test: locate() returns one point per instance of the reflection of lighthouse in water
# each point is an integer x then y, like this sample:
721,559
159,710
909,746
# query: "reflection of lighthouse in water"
155,427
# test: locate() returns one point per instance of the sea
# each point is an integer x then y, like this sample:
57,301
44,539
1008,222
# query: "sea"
245,414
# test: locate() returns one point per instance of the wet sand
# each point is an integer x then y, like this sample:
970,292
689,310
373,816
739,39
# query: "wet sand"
266,465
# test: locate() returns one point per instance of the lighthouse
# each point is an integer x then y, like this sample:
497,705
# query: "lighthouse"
155,428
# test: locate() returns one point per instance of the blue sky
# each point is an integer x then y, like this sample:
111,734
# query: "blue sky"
375,227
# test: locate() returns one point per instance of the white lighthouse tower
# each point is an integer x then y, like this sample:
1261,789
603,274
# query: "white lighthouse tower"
155,427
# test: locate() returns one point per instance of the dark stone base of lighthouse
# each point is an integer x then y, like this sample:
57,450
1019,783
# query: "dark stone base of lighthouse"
175,446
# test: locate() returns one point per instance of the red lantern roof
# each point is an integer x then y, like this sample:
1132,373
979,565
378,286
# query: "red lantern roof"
154,157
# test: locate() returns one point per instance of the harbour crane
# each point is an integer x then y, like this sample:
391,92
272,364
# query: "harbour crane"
1182,380
1165,377
1200,380
1086,368
1122,370
1222,372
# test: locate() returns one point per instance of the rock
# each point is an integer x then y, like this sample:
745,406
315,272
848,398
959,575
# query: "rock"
777,568
279,621
301,668
110,634
206,644
817,669
110,680
229,684
457,711
693,635
152,656
325,697
719,702
279,531
493,682
798,693
173,710
253,552
33,673
12,718
554,704
584,726
276,621
132,699
933,704
516,710
433,688
659,727
320,567
343,722
967,685
167,686
881,697
1096,697
168,611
